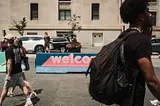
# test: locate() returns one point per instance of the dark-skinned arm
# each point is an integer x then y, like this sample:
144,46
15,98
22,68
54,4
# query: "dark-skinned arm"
150,77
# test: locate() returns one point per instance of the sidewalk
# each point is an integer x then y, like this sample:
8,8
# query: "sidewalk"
57,90
54,90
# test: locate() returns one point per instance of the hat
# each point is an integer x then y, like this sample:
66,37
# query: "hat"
9,36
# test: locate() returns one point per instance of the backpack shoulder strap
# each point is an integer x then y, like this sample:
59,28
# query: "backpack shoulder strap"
124,35
89,67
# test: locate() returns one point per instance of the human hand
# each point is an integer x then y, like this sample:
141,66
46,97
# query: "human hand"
3,64
148,32
9,78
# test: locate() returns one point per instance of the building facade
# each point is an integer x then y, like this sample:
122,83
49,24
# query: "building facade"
99,20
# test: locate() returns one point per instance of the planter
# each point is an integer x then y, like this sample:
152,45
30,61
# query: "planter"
78,50
74,47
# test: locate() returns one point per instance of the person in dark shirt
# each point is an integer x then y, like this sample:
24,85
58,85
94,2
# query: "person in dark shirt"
14,71
46,42
27,84
4,44
137,49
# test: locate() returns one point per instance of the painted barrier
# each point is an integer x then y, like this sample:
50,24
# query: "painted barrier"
2,60
62,62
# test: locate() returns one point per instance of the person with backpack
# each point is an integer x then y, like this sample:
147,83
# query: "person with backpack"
26,83
138,49
14,72
120,70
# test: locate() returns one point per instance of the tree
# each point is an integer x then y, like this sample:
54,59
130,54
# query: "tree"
20,25
73,45
74,22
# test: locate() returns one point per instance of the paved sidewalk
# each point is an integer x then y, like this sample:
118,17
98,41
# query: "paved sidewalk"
57,90
54,90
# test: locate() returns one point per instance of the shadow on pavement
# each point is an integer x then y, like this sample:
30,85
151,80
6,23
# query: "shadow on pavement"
34,100
22,94
20,104
38,91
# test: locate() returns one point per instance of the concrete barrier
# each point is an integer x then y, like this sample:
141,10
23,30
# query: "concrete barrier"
2,60
63,62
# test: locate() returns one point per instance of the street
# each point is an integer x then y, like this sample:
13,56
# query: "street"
62,89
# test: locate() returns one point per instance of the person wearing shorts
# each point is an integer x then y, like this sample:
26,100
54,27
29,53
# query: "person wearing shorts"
26,83
16,79
14,72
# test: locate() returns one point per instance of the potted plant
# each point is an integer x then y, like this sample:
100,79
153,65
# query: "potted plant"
73,45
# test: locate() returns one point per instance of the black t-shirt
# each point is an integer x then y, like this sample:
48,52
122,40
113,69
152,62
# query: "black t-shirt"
47,39
13,52
138,46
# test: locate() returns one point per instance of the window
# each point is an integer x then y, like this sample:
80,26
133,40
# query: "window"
24,38
153,18
152,0
64,10
64,14
59,39
31,33
95,11
157,40
64,0
63,33
36,38
34,11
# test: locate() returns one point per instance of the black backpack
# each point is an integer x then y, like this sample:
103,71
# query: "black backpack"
109,75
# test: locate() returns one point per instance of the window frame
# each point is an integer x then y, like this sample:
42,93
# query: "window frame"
60,39
65,7
32,33
24,38
95,11
152,0
36,38
65,16
154,19
64,0
33,9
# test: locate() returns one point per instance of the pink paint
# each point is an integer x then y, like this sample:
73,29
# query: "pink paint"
69,60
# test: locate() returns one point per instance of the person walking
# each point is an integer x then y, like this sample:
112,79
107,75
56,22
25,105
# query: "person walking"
14,72
4,45
26,83
138,50
46,42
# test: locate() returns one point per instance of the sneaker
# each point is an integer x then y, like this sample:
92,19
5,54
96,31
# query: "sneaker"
33,95
155,102
28,103
10,94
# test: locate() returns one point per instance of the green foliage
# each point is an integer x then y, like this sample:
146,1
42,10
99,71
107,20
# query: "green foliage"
20,25
74,22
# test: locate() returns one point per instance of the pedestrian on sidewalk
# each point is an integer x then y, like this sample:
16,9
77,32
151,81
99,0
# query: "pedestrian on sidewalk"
14,72
26,83
46,42
138,50
4,45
